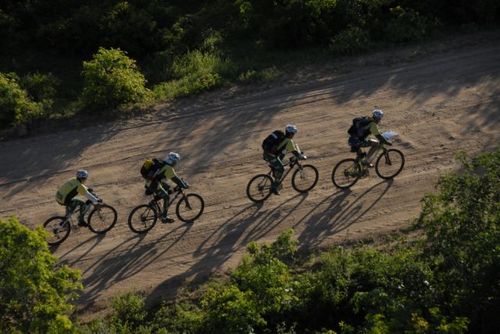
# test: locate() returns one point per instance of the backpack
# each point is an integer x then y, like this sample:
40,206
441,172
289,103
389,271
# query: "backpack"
357,127
270,144
150,168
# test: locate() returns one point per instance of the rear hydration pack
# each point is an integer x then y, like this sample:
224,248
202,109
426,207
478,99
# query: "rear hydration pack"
356,129
150,168
270,144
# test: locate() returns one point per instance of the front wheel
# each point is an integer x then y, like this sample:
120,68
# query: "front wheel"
142,218
190,207
346,173
102,218
390,163
58,229
305,178
259,188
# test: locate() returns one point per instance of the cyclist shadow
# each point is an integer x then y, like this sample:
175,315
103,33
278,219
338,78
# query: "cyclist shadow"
248,215
220,246
88,245
338,216
125,260
272,218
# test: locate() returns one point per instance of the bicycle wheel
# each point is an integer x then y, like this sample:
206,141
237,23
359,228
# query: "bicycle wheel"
58,230
259,188
190,208
102,218
346,173
305,178
142,218
390,163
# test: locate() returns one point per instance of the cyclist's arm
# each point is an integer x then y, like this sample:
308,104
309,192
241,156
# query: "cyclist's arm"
376,133
84,191
292,147
171,175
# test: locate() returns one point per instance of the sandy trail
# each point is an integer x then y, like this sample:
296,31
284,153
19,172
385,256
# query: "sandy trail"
439,104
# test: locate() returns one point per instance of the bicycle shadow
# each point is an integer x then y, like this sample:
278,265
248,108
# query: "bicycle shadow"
221,245
124,261
338,216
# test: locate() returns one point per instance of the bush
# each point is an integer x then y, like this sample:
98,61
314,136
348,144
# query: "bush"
350,41
34,293
15,105
128,311
112,79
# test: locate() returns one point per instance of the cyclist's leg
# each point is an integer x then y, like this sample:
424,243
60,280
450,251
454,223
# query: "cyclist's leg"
162,192
374,145
75,203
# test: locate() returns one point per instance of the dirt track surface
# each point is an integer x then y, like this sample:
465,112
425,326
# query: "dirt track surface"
439,103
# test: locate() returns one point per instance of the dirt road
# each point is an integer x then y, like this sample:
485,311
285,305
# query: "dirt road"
439,103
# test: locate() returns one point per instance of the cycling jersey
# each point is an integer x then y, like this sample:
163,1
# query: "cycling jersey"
287,145
72,188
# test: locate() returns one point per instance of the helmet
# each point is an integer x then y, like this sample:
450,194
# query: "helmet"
82,174
377,114
172,158
291,128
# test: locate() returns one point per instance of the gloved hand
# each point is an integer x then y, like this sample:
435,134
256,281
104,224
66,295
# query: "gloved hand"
388,143
302,156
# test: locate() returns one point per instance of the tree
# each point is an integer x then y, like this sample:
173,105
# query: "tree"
35,294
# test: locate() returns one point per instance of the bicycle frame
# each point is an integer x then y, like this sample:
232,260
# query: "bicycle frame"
291,163
155,200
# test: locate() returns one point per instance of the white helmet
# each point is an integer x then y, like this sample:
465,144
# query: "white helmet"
82,174
172,158
377,114
291,128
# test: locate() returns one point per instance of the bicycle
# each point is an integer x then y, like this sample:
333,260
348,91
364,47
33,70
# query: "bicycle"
388,165
304,179
101,218
143,217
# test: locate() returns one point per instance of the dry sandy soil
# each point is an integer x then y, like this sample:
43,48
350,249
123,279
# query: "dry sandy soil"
440,100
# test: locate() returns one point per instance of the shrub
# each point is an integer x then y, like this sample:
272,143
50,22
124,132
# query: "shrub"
15,105
112,79
350,41
226,306
128,311
34,293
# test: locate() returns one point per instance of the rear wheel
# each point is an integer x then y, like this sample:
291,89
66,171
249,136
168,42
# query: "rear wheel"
58,230
346,173
390,163
259,188
142,218
102,218
190,208
305,178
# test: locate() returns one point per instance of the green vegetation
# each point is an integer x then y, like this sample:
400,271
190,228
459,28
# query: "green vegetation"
185,47
444,281
111,79
16,107
35,294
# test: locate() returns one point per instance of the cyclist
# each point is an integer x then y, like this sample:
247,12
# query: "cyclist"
276,146
160,188
361,129
67,195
